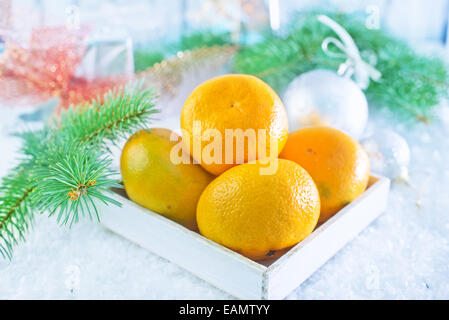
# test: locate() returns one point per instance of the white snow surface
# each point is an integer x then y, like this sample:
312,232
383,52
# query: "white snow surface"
404,254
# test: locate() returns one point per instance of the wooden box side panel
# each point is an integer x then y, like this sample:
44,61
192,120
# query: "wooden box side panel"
287,273
209,261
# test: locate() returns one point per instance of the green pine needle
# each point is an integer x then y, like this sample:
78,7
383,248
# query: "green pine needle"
65,169
120,113
205,38
15,209
145,58
74,179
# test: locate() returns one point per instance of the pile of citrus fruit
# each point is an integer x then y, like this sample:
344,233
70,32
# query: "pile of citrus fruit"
237,175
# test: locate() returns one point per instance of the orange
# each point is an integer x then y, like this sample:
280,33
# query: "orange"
257,215
234,101
152,180
337,163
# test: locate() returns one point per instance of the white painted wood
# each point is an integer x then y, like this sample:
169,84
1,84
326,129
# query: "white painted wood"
206,259
229,270
284,275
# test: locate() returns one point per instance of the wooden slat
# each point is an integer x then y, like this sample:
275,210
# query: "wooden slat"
229,270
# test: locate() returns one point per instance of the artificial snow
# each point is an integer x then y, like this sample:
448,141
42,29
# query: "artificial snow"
404,254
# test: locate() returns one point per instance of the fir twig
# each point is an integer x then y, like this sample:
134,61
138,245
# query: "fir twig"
145,58
15,213
65,170
410,85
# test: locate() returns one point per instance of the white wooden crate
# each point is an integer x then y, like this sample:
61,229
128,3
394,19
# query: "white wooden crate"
232,272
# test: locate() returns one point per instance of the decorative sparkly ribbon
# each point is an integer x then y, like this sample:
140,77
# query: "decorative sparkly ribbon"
46,68
354,64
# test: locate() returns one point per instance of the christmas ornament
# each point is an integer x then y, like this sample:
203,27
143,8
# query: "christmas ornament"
354,65
41,68
323,97
47,67
82,89
409,94
389,154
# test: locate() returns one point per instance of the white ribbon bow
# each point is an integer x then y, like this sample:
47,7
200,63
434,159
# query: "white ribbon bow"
362,70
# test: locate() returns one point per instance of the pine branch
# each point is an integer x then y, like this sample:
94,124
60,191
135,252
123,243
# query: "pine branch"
65,170
15,214
71,181
121,112
146,58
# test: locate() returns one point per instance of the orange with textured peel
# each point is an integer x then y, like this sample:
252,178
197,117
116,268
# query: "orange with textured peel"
152,180
234,101
337,163
257,215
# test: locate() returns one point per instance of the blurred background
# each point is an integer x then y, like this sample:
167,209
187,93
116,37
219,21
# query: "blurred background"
157,20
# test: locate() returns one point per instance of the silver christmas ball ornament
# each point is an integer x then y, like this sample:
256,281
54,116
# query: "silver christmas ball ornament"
322,97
